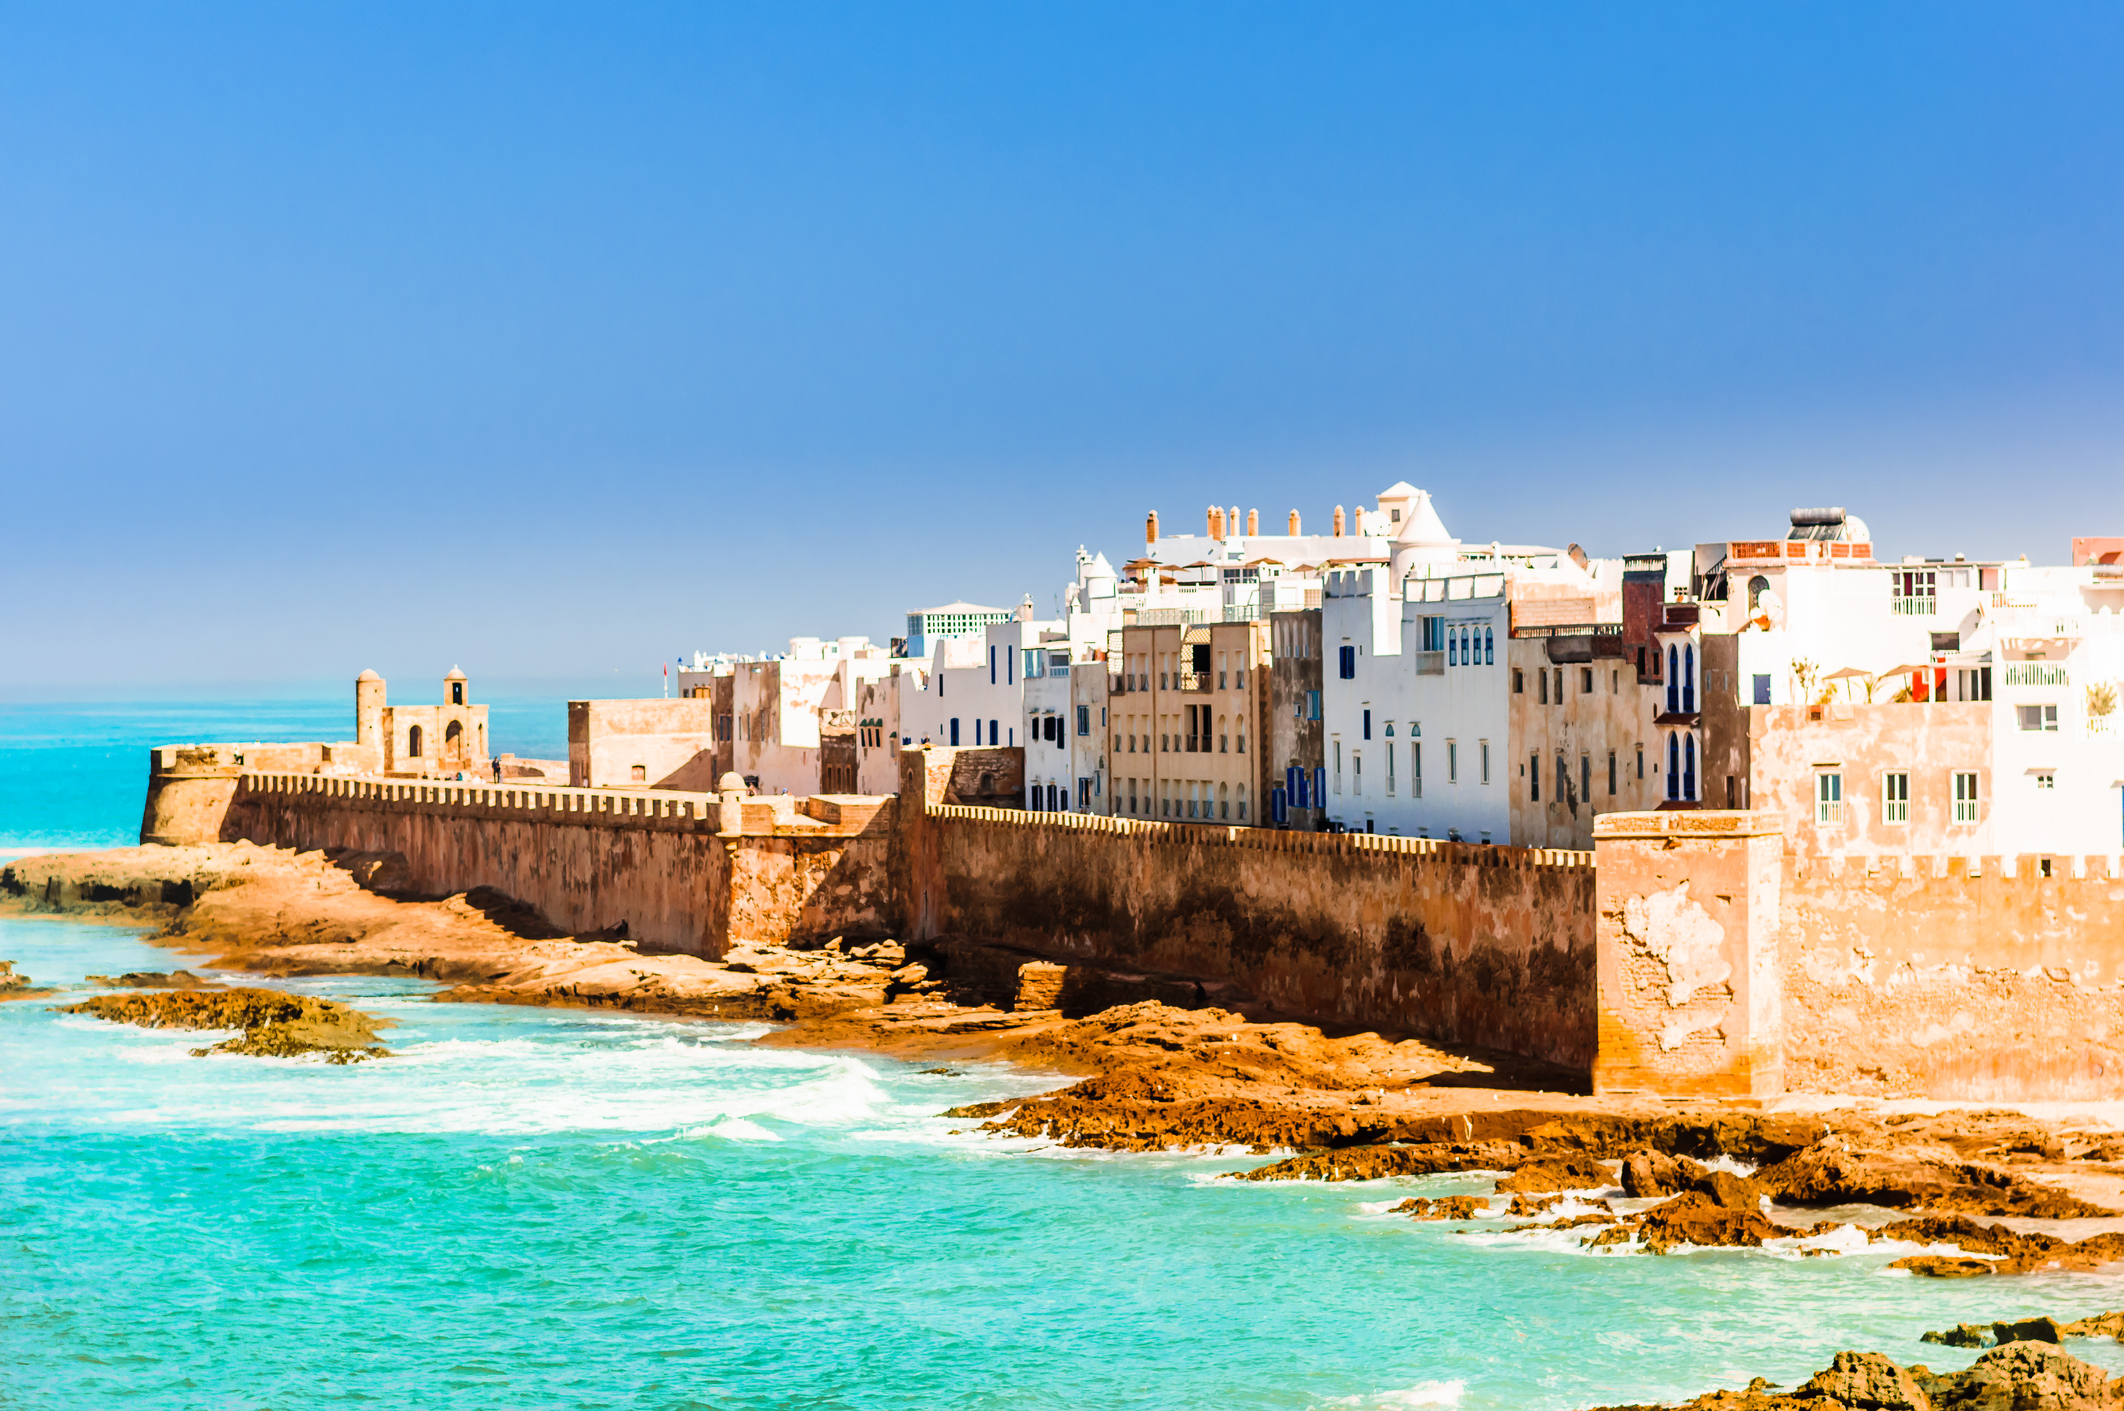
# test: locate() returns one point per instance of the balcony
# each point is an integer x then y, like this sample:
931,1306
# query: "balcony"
1197,680
2035,673
1915,607
1430,663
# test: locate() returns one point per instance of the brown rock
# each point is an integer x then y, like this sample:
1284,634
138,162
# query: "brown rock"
1834,1172
1370,1163
1961,1335
1651,1173
1452,1207
1944,1266
2022,1376
2099,1325
1867,1381
2019,1252
275,1024
1697,1219
1563,1171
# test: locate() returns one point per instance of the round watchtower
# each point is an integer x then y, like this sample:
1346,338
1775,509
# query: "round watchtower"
369,713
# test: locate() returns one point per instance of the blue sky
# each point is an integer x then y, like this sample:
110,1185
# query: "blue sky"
560,340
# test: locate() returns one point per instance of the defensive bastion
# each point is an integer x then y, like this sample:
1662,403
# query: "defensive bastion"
1686,955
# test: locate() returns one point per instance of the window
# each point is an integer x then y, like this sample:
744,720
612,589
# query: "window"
1416,771
995,734
1689,680
991,665
1640,764
1757,586
639,773
1347,663
1544,684
1223,735
457,693
1673,766
1895,798
1828,797
1585,680
413,743
1563,780
1689,767
2036,717
1585,776
1519,682
1489,648
1338,766
1534,777
1390,769
1312,705
1357,772
1762,688
955,729
1673,682
1452,762
1559,685
1083,724
1611,774
1242,801
1485,747
1965,798
2045,779
1368,725
1452,649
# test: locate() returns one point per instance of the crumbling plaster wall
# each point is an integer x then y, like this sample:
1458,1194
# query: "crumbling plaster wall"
1959,978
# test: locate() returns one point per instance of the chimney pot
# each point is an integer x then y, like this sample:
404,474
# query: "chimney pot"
1150,528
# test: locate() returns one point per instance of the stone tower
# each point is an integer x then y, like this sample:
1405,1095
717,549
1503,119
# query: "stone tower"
369,715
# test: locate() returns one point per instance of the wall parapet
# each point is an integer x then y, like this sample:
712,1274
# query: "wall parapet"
1271,839
609,808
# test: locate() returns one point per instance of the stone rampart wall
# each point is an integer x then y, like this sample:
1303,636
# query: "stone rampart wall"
588,858
1476,945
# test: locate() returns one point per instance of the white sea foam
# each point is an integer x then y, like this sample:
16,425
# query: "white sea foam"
1421,1394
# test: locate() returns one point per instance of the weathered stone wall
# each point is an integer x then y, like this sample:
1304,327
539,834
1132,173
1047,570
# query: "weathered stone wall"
1688,973
1959,977
591,859
1468,944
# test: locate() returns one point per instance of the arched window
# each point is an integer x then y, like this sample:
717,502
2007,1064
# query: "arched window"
1673,766
1467,638
1224,736
413,743
1757,586
1689,766
1673,682
1489,648
453,739
1689,679
1452,650
1242,803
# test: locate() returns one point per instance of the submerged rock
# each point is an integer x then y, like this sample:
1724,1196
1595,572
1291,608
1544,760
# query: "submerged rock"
275,1024
154,980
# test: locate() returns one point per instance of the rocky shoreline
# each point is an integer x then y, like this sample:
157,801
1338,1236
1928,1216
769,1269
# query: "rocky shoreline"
1621,1175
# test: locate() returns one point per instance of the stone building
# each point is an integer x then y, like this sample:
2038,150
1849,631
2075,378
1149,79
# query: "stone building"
1187,712
1297,774
420,741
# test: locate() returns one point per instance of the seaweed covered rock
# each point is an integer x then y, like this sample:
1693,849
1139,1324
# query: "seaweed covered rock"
275,1024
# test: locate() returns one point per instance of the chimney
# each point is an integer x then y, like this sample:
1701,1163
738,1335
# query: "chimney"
1253,523
1150,529
1338,521
1234,521
1216,522
1294,523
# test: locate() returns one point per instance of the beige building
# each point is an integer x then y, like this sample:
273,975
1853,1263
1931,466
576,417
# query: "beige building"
1187,709
420,741
643,744
1580,731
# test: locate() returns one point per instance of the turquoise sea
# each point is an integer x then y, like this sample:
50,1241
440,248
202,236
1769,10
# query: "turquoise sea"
539,1208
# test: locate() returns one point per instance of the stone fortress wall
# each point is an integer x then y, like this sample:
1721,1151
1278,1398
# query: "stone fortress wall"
1686,955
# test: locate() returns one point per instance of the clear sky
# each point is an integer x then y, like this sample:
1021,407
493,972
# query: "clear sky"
559,341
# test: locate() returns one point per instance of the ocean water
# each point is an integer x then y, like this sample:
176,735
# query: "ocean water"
546,1208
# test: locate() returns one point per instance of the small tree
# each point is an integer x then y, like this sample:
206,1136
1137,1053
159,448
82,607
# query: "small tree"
2101,700
1803,672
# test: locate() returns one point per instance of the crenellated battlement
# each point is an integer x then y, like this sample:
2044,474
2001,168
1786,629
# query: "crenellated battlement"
1272,840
